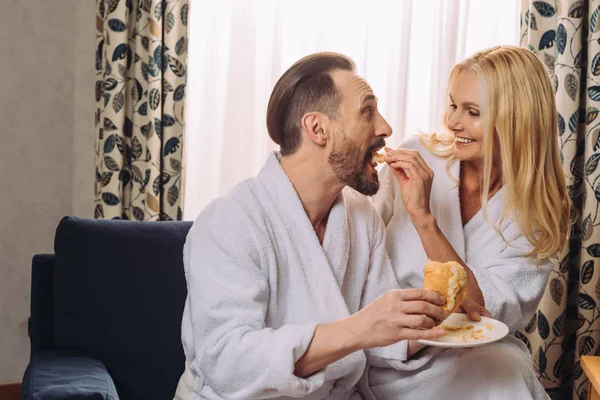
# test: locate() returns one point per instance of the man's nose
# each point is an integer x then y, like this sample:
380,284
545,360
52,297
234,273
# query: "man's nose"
383,128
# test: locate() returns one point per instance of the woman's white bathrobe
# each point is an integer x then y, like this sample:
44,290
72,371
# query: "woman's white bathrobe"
511,284
259,282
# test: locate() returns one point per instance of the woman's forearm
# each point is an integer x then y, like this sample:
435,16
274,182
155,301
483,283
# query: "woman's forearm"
438,248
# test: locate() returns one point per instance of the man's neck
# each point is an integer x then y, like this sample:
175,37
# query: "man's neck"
315,185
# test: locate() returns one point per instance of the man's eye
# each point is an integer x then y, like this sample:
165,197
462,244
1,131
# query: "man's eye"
368,111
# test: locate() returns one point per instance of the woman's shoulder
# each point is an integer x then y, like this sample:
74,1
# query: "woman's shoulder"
414,142
418,142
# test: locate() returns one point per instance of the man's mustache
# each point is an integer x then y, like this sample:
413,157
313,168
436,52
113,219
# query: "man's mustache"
379,143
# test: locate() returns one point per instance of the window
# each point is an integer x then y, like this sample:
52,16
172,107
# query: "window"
239,48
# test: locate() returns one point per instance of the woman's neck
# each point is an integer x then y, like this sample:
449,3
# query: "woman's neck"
471,177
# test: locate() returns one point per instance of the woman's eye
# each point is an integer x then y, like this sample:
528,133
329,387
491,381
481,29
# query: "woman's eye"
474,113
453,106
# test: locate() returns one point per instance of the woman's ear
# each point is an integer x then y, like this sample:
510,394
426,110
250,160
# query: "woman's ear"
315,126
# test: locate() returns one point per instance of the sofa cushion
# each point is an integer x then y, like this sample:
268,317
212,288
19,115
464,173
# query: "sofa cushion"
51,376
119,296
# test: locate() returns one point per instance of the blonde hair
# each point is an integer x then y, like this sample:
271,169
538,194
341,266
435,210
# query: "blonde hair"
519,115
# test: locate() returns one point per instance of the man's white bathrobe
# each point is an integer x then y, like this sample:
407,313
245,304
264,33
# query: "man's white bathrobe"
259,282
511,284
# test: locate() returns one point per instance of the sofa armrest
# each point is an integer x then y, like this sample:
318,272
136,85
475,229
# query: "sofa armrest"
52,376
41,321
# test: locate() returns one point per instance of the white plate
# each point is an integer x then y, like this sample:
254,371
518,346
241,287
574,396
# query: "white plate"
469,333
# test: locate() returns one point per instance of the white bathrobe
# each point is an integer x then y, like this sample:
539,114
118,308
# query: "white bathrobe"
259,282
511,284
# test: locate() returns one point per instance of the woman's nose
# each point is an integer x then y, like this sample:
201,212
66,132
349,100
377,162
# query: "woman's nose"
454,122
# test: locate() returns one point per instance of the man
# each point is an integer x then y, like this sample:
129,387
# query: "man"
288,279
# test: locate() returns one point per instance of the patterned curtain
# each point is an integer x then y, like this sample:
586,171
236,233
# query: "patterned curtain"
140,90
565,36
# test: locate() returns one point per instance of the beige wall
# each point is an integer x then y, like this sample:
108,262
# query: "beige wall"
83,110
46,146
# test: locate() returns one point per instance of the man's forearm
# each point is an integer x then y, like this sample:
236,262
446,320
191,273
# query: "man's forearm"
330,343
394,316
438,249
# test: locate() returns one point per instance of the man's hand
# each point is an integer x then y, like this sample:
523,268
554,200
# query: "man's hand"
399,315
395,316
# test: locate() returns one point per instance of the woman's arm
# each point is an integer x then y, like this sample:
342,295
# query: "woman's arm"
415,179
511,282
506,281
438,248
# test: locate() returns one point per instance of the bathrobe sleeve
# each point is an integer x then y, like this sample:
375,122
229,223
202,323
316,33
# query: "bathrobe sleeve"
381,279
238,356
512,285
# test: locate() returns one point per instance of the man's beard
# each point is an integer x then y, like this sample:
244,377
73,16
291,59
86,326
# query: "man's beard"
349,164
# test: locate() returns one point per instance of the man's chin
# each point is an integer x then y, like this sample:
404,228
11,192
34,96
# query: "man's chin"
362,178
367,187
370,193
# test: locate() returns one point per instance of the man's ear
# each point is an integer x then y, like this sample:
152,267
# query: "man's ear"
316,127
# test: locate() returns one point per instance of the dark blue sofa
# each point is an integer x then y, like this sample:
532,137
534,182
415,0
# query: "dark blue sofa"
106,312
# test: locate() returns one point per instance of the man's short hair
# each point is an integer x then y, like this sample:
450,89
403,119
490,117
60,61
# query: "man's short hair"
307,86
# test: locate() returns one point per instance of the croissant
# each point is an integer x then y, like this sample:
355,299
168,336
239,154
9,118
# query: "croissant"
378,158
448,279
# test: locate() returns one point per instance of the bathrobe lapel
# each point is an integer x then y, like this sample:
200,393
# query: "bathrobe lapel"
325,265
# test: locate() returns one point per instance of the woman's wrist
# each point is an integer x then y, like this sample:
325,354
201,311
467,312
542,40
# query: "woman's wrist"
424,223
413,348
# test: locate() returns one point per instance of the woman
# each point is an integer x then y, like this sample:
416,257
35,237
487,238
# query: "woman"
498,205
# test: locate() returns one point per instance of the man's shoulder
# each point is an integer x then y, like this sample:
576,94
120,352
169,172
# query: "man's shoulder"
240,205
231,225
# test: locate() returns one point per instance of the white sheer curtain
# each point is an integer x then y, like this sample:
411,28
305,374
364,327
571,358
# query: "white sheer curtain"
239,48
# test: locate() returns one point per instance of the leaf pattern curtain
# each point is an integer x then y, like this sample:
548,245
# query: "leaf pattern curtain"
565,35
140,90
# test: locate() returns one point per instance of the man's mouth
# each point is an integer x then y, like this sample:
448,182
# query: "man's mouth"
463,140
372,155
377,158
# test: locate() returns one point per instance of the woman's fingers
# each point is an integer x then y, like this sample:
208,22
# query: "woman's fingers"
410,169
412,156
412,160
474,310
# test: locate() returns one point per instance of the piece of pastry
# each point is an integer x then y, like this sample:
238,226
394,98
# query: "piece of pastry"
378,158
448,279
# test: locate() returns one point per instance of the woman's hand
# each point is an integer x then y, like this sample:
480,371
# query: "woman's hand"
415,179
473,310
